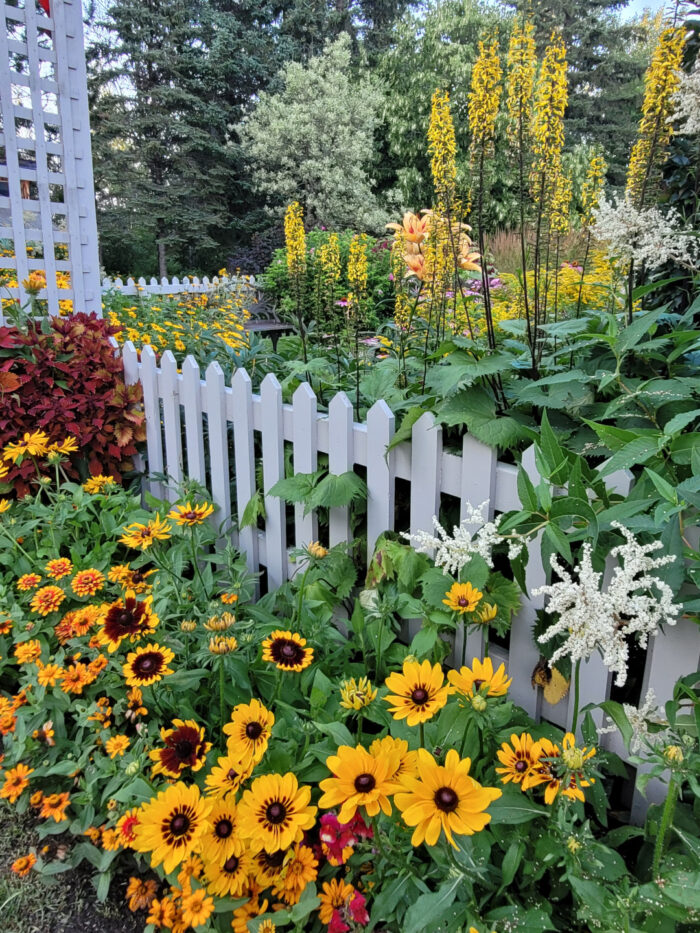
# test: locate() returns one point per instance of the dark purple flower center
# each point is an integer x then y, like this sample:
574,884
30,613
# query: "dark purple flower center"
253,730
477,685
231,865
446,799
520,765
364,783
146,663
179,824
276,813
223,828
419,696
286,652
184,749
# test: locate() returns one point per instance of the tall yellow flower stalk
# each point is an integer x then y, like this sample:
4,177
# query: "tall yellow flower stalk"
520,85
551,94
560,224
661,82
295,241
357,299
442,147
591,192
329,275
484,103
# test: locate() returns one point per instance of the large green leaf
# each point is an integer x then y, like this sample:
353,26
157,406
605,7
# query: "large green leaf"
423,913
514,807
337,490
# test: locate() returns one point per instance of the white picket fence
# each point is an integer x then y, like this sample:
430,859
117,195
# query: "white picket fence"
176,286
175,403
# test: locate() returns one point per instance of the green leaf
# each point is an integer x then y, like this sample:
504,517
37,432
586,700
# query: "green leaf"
295,488
337,731
664,488
514,807
635,452
424,641
683,887
406,427
635,331
334,491
421,914
617,713
254,510
526,491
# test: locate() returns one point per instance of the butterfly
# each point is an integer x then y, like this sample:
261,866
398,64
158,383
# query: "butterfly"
554,685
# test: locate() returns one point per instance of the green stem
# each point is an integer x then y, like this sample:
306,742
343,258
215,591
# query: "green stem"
666,821
380,639
377,837
577,672
359,728
464,739
19,547
421,732
486,641
222,706
465,628
300,600
195,563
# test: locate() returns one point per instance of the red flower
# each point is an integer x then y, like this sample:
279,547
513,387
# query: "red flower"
358,908
337,925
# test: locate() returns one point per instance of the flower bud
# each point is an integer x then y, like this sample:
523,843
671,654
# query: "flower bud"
479,703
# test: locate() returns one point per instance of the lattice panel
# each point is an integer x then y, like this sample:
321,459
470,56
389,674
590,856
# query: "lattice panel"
47,198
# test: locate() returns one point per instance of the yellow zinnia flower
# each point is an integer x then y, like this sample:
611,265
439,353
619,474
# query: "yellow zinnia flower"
462,597
418,692
359,780
469,681
444,798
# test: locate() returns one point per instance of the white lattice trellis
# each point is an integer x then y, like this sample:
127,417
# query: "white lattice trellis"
47,199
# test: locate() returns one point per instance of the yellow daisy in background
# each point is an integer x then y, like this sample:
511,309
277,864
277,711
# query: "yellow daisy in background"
69,445
222,839
359,780
334,895
172,825
196,908
98,483
462,597
300,868
444,798
5,504
35,444
274,813
190,515
249,731
288,651
469,681
417,693
545,771
519,759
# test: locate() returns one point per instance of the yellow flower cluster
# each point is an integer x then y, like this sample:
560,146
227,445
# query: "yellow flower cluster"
443,149
357,274
181,323
561,204
329,260
484,98
522,67
661,81
592,187
295,239
34,283
550,103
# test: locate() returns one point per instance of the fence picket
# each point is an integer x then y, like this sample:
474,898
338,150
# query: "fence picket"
169,387
244,452
305,457
340,460
380,473
273,470
215,390
151,406
194,433
131,376
426,481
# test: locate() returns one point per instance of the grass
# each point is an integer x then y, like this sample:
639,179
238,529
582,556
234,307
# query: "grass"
63,903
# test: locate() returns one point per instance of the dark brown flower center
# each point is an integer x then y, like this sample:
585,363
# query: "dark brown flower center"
364,783
138,577
231,865
446,799
274,859
179,824
520,765
232,775
184,749
253,730
462,601
419,696
223,828
477,685
286,652
190,516
276,813
146,663
124,618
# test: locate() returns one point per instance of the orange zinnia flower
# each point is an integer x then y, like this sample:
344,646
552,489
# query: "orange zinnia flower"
47,600
54,805
87,582
16,780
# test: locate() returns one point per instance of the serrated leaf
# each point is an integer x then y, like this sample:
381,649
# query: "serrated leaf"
295,488
334,491
254,510
633,453
635,331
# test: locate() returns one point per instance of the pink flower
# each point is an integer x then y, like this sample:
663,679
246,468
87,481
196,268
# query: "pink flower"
337,839
358,908
337,925
359,828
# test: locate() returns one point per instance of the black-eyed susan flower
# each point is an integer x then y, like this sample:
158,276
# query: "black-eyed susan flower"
69,445
223,644
36,444
147,665
359,780
479,678
388,748
274,813
5,504
222,838
249,731
266,867
98,484
47,600
128,579
287,650
28,581
172,825
58,568
300,869
462,597
117,745
356,694
184,746
227,875
546,771
126,826
220,623
519,759
127,618
87,582
486,613
141,536
417,693
444,798
227,776
317,550
190,515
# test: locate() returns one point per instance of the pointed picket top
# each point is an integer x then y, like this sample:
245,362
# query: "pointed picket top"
380,475
341,459
205,282
185,280
241,379
305,439
106,283
141,282
175,282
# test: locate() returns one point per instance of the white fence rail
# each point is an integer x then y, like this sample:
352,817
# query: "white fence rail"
176,286
47,207
246,434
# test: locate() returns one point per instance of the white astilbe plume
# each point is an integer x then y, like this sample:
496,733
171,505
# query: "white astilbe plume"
648,236
687,101
452,553
639,719
595,618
